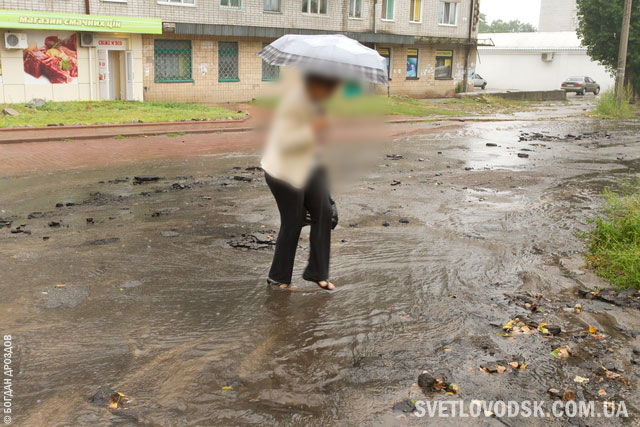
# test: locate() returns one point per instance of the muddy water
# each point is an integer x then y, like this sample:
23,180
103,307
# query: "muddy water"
184,325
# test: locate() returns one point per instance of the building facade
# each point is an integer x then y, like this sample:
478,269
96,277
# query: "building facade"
558,15
205,50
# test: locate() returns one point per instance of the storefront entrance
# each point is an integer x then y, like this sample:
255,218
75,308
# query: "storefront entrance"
115,70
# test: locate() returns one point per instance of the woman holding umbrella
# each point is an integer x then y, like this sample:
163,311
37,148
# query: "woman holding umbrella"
291,163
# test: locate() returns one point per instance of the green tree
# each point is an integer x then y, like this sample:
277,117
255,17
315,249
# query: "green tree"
599,23
500,26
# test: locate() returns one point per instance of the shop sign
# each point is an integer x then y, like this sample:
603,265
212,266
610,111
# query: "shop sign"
25,20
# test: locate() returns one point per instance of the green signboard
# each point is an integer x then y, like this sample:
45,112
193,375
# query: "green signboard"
25,20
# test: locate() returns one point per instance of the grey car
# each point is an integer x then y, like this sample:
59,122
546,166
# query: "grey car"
581,85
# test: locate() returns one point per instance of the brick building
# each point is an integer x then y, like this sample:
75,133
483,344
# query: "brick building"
206,49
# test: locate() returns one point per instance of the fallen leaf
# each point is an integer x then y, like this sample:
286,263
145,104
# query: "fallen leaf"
581,380
569,395
602,392
60,285
227,387
514,365
577,308
592,330
117,400
562,352
543,329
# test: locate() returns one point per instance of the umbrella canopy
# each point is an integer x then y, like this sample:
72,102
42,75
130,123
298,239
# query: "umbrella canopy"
329,55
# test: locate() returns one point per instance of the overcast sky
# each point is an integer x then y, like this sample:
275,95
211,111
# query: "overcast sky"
507,10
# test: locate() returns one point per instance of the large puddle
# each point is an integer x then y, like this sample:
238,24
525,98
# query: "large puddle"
147,298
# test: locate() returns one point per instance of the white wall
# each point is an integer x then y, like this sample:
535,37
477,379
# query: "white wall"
527,70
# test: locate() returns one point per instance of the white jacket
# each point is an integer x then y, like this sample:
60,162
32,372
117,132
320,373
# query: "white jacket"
291,144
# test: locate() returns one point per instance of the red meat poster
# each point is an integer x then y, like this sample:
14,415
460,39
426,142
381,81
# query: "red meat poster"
52,58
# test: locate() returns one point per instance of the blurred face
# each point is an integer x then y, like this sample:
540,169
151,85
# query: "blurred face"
321,91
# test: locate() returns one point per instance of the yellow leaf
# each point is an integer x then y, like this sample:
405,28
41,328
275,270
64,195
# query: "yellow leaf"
542,329
592,330
580,379
227,387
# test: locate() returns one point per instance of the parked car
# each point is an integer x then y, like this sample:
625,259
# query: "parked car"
478,81
580,85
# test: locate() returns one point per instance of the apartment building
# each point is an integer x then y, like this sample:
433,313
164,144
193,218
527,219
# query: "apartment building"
205,50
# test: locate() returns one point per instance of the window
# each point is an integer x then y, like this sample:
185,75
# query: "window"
228,62
412,63
415,14
447,13
270,73
355,8
314,6
386,54
387,10
179,2
272,5
230,3
172,61
444,64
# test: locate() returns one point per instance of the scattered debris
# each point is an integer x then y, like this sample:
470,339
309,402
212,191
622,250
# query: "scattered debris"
5,222
562,352
386,224
395,182
36,103
255,241
242,178
627,298
89,220
100,242
34,215
394,157
10,112
169,233
403,221
180,186
54,223
523,155
141,179
491,144
438,382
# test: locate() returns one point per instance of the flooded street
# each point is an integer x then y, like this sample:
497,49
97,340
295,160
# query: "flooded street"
137,288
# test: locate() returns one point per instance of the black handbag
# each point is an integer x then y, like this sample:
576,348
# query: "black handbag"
334,215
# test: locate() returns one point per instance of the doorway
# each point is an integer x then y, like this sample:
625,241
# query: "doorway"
113,79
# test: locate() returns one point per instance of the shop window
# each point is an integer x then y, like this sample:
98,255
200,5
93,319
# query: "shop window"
447,13
318,7
444,64
272,5
387,10
230,3
172,61
228,62
355,8
178,2
386,54
270,73
415,14
412,64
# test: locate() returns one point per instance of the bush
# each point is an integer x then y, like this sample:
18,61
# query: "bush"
608,107
614,243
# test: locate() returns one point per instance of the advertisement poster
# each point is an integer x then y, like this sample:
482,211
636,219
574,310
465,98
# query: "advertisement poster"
51,58
412,67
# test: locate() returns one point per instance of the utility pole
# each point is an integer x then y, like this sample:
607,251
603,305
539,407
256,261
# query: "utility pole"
622,53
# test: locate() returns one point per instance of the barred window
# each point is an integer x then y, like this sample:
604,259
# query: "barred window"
269,72
228,62
172,61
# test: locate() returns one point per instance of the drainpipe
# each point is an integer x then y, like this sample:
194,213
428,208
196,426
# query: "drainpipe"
87,11
467,58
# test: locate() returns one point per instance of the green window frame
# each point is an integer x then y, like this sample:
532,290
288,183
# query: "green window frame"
270,73
172,61
228,62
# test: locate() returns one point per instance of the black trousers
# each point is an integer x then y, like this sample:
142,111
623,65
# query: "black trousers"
292,204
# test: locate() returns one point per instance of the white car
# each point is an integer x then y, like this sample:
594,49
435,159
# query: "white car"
478,81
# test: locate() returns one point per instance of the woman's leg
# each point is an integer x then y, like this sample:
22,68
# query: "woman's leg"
290,203
317,202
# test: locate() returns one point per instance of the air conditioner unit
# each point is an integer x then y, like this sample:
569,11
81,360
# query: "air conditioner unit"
88,40
547,56
15,41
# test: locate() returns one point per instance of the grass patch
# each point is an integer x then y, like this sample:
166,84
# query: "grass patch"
72,113
608,108
614,243
382,105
